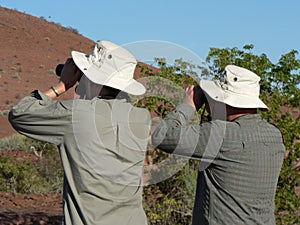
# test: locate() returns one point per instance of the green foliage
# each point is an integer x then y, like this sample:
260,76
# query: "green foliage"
171,201
166,89
287,202
51,71
281,78
16,76
21,177
13,142
20,142
49,166
4,112
74,30
42,173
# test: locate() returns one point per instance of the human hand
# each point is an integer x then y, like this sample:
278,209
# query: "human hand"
70,74
189,96
194,97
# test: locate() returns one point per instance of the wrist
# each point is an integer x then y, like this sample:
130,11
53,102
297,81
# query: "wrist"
61,88
189,103
56,90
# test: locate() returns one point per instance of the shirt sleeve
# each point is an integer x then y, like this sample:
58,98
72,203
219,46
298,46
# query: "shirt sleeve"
39,117
176,135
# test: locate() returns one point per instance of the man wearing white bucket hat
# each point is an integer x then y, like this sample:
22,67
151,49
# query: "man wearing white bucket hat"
102,138
240,153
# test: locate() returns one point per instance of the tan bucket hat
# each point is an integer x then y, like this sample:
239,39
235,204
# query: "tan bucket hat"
238,87
110,65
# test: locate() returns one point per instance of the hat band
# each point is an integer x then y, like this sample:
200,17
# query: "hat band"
97,57
226,88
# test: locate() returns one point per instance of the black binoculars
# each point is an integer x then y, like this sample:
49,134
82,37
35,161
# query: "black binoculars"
58,69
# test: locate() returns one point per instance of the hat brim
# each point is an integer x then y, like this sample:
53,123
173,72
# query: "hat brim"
93,73
214,91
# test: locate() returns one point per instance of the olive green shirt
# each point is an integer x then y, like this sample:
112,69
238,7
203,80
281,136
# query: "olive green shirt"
240,162
102,144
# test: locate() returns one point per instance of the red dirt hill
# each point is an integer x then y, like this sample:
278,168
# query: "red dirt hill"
31,48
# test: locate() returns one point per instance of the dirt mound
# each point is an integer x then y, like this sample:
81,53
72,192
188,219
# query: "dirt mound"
31,48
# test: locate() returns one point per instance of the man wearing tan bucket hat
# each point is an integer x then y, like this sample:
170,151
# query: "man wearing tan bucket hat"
240,153
102,138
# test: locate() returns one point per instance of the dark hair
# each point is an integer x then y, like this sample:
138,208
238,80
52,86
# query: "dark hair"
203,117
113,93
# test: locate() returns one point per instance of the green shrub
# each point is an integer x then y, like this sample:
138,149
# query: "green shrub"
20,177
280,88
51,71
14,142
49,166
46,173
171,201
4,113
16,76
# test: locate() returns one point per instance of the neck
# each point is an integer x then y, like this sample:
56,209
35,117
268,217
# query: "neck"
233,113
233,117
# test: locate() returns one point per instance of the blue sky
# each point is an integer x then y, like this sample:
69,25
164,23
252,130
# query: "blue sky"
272,26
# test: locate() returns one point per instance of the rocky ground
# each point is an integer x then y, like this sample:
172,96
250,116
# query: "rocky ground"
17,209
30,208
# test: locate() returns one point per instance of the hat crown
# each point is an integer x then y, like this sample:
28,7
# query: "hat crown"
238,87
115,59
110,65
240,81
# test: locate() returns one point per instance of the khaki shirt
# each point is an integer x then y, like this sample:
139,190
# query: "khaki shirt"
240,162
102,144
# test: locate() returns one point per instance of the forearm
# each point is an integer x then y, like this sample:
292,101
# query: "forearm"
69,77
56,90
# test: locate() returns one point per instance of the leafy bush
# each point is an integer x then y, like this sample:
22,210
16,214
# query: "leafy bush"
20,177
44,174
279,89
13,142
171,202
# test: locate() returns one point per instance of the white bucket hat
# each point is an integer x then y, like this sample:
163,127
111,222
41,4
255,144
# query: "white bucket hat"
110,65
238,87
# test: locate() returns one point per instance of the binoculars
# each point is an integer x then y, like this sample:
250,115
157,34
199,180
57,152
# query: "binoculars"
58,69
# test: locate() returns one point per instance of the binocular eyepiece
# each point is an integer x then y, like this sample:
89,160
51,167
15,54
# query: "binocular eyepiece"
58,69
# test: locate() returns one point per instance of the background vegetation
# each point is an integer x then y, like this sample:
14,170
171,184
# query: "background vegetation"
170,202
